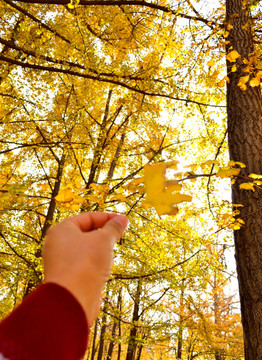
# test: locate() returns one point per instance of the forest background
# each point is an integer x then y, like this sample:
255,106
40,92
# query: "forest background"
99,100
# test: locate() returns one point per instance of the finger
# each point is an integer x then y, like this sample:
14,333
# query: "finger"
91,220
115,227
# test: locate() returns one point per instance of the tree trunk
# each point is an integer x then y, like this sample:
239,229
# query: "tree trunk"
181,320
245,145
131,349
112,342
94,341
139,352
119,350
103,327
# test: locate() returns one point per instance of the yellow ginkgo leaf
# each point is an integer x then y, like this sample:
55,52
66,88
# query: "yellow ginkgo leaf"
254,82
75,207
65,196
210,162
221,83
211,63
233,56
233,163
247,186
227,172
215,74
255,176
242,82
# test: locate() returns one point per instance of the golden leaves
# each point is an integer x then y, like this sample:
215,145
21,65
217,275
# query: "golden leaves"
230,220
73,4
247,186
70,197
227,172
242,82
255,82
232,56
65,196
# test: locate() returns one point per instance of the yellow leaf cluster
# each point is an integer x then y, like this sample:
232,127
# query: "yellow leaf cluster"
255,176
232,56
73,4
70,199
227,172
242,82
229,220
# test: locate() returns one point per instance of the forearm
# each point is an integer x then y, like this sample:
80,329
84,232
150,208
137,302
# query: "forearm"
49,324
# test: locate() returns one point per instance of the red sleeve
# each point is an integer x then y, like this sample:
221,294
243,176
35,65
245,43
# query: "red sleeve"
49,324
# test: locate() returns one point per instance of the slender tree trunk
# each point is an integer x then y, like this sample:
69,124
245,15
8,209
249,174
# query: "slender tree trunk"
103,327
119,327
139,352
180,325
245,145
112,342
131,349
94,341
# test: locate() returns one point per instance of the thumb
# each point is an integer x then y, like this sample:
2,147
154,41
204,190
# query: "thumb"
115,227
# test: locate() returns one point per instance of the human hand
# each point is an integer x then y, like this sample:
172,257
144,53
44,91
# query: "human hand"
78,254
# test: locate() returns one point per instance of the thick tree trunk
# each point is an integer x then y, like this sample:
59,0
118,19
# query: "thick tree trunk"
245,145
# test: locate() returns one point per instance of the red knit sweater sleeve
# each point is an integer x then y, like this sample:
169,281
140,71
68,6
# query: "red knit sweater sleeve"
49,324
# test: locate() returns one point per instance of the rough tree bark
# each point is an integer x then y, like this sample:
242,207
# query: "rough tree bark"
245,145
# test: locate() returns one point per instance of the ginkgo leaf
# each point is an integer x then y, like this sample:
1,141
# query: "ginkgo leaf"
221,83
193,167
257,182
242,82
215,74
227,172
233,163
233,56
255,176
211,63
254,82
65,196
75,207
247,186
210,162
